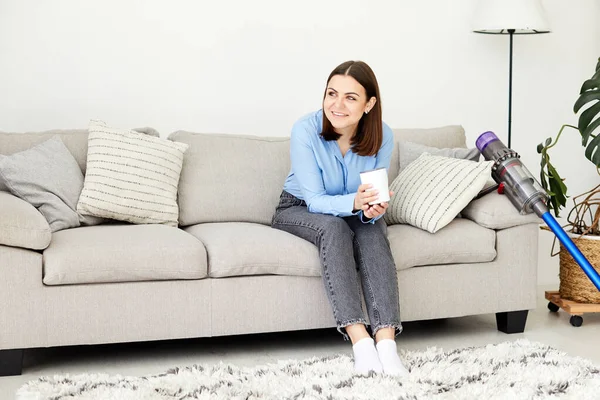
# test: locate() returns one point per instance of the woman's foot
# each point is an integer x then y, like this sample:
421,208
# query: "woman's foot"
388,356
365,357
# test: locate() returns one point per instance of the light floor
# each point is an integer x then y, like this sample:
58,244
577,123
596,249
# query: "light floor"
154,357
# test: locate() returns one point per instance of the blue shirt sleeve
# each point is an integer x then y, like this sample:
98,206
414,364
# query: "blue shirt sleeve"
383,157
310,180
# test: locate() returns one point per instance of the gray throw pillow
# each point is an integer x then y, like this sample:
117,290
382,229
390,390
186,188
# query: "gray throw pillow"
409,152
147,130
48,177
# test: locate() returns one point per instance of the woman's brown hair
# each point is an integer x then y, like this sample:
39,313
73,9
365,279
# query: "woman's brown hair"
369,134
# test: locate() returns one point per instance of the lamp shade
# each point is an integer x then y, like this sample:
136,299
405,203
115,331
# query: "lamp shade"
500,16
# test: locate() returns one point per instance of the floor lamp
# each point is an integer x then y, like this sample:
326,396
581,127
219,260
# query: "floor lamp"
510,17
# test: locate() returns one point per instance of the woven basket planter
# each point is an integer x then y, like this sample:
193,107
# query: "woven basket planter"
574,283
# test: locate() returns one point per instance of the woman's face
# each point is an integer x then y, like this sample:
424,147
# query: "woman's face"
345,103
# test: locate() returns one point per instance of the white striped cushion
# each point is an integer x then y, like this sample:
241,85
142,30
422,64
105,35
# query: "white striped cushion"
131,176
432,190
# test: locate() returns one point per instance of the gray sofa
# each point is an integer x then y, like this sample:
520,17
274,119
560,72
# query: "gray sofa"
225,271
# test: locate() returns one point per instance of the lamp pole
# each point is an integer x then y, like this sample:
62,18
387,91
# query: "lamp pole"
511,32
510,17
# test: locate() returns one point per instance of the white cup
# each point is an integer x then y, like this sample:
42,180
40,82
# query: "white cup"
379,179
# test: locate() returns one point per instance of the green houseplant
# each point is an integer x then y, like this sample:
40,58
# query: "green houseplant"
585,215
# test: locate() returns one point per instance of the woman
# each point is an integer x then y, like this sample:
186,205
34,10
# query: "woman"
323,202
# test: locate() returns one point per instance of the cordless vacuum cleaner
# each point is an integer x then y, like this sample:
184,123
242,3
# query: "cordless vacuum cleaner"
526,194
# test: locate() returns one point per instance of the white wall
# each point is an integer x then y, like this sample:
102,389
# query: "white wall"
239,66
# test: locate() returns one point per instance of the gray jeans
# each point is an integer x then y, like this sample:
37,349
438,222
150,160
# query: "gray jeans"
348,249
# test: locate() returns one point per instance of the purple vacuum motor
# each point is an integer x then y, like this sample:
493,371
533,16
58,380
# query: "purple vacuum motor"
484,139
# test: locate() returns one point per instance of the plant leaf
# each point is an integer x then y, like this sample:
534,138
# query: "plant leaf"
585,98
554,205
543,161
592,151
585,119
589,130
543,176
562,192
592,83
542,146
558,199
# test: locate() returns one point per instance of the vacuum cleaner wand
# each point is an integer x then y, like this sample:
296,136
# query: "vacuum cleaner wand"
526,194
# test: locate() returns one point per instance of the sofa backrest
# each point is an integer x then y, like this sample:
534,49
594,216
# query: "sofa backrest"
231,178
450,136
76,141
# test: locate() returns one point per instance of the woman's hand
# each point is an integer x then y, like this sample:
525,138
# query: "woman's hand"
376,210
364,197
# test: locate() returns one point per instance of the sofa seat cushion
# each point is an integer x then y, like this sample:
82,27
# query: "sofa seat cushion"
123,253
461,241
242,248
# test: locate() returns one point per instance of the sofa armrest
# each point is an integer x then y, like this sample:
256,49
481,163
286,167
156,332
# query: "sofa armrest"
495,211
21,224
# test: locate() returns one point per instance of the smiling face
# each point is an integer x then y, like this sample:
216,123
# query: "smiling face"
345,103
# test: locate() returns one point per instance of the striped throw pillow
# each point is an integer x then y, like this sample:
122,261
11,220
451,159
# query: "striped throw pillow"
131,176
432,190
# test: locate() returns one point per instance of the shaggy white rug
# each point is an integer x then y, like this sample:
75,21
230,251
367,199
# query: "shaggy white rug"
510,370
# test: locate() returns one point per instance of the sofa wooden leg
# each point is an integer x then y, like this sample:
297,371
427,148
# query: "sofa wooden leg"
11,362
511,321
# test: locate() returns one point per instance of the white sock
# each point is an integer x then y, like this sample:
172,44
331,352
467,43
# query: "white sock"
388,355
365,356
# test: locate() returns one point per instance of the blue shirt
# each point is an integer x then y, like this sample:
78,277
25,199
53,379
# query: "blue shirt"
321,176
